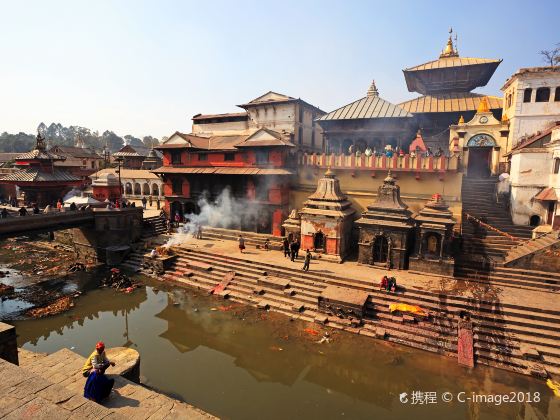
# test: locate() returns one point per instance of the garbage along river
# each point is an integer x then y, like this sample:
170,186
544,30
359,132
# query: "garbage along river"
240,362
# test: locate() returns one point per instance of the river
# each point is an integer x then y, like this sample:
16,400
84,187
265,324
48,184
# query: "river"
242,363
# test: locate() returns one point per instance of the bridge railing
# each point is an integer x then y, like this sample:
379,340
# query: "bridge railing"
33,222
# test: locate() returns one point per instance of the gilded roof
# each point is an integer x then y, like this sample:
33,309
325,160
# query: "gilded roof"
446,62
449,102
364,108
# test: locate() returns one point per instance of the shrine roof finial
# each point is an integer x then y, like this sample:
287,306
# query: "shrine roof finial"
450,50
483,106
372,91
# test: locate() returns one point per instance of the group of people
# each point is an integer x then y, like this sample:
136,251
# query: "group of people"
389,284
389,151
150,201
291,250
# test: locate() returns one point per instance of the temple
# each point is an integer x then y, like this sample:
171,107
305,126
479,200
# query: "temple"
38,178
446,86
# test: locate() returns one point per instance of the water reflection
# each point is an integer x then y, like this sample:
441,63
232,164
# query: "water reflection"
238,362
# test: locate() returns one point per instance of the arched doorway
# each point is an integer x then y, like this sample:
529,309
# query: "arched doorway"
480,155
319,241
128,188
535,220
380,250
432,244
146,189
137,190
155,190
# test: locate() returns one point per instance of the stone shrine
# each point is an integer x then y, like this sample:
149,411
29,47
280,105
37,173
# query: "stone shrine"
385,229
326,220
434,234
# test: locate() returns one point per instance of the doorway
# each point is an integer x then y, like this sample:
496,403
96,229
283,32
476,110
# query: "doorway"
319,241
380,250
550,213
480,160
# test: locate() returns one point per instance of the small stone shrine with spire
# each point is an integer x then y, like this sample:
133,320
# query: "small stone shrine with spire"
292,225
386,229
326,220
434,235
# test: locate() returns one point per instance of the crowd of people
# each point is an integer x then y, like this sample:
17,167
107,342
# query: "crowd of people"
390,151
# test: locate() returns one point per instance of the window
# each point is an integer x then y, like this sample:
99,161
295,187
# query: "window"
177,186
300,114
543,94
93,164
557,94
527,95
229,157
313,135
84,163
556,165
300,135
202,156
176,158
262,157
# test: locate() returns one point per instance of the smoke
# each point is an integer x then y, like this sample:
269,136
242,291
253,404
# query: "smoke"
225,212
74,192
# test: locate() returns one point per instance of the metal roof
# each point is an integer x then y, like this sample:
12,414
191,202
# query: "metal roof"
449,102
548,194
39,154
368,107
37,175
446,62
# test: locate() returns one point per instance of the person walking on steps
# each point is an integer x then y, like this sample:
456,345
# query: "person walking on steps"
307,260
144,201
241,243
286,245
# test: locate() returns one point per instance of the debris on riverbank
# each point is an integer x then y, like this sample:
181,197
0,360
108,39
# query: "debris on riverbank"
6,289
58,306
121,282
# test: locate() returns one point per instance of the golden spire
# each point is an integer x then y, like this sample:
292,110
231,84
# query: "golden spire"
483,106
449,50
505,119
461,120
329,173
372,91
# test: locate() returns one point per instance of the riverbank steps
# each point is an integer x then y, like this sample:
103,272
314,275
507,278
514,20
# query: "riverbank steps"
514,329
51,387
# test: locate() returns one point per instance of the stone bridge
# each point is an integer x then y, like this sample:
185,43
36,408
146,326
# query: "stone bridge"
101,234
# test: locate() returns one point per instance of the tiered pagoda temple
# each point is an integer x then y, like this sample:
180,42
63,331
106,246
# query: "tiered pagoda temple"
38,178
386,229
326,220
446,86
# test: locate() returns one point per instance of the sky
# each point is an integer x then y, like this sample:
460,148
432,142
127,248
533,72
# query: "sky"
146,67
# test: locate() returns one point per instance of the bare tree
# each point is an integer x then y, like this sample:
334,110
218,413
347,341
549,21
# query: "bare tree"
551,57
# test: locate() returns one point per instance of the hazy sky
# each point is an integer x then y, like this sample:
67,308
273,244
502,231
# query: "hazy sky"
146,67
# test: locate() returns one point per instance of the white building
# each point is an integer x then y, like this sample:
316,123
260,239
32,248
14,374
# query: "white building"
535,179
136,183
288,116
531,101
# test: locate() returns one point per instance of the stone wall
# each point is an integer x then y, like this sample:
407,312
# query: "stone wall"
544,260
8,343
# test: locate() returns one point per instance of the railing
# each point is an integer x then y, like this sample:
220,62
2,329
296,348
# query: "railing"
492,228
405,163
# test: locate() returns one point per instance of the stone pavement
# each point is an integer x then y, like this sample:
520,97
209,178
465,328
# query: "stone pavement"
406,279
51,387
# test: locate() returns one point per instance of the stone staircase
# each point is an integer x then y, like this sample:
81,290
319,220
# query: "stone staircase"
478,197
531,246
51,387
502,332
153,226
486,252
251,238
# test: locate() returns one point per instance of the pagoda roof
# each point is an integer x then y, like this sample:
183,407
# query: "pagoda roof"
371,106
450,73
39,154
449,102
38,175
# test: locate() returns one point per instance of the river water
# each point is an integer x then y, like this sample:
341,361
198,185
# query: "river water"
241,363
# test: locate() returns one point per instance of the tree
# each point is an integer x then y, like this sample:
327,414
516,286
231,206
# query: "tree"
551,57
114,142
150,142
